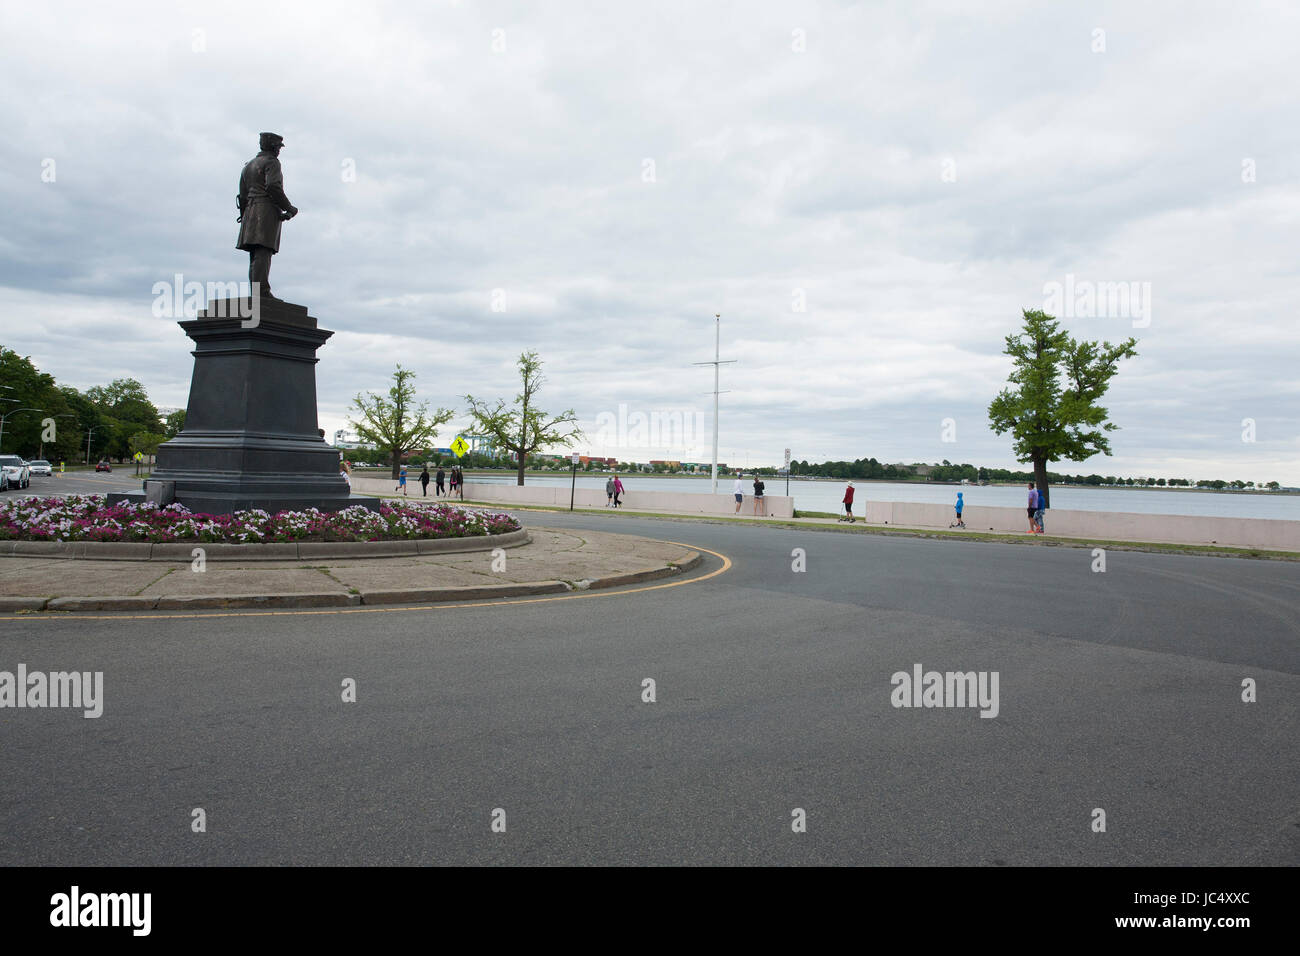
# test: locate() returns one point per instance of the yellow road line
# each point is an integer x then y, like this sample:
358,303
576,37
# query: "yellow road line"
448,606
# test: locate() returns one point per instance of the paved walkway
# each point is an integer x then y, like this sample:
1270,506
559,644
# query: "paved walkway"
554,560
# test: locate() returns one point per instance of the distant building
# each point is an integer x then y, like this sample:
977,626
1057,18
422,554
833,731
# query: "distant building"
342,439
484,445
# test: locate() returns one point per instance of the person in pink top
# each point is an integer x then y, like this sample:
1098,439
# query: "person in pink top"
618,490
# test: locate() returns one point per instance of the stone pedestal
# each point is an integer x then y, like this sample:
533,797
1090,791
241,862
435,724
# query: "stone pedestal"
251,438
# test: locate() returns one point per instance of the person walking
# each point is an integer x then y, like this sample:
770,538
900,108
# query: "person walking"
609,492
345,472
958,507
618,490
848,502
1032,508
424,482
440,480
760,506
738,490
1038,512
460,483
401,480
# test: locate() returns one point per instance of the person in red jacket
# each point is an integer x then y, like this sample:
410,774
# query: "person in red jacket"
848,503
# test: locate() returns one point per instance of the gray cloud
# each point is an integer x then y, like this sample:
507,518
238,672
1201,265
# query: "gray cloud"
776,174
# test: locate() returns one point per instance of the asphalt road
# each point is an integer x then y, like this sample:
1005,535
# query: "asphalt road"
1119,691
122,478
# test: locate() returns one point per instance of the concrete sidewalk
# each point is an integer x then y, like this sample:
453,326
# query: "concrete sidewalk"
554,561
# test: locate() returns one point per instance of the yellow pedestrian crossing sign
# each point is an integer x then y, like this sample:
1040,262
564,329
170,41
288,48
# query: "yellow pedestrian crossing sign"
460,446
139,456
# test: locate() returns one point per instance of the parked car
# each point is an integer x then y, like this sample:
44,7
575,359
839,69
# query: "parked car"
15,473
41,467
103,465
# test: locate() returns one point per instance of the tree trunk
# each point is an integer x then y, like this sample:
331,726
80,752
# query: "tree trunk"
397,458
522,458
1040,481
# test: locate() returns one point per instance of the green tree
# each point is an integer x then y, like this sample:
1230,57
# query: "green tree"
522,428
1052,410
396,425
27,398
85,426
125,409
146,443
175,423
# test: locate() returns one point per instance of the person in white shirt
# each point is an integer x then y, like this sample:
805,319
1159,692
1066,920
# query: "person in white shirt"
345,472
738,490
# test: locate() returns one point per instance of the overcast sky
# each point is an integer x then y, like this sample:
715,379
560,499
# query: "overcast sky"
914,174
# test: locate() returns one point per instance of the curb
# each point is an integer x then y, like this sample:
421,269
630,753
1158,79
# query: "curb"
312,599
375,597
282,551
182,602
464,593
691,562
22,603
101,604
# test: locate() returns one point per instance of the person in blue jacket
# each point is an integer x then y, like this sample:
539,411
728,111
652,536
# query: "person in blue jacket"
960,504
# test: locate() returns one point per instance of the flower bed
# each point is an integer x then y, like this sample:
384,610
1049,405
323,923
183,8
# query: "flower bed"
89,518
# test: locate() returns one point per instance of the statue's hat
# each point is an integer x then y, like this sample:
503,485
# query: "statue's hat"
270,140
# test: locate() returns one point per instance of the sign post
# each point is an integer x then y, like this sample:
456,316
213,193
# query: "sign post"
574,481
459,446
787,472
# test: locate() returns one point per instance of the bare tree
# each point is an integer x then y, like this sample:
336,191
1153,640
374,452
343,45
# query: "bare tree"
396,425
522,427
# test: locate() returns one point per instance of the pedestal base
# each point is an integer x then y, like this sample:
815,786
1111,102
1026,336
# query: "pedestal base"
251,439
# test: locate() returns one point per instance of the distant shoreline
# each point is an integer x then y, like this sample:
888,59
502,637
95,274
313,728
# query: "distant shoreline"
510,472
1212,491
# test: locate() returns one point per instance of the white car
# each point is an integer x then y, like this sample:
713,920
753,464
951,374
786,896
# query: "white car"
14,473
41,467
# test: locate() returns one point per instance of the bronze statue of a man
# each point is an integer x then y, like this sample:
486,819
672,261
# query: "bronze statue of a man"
262,207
